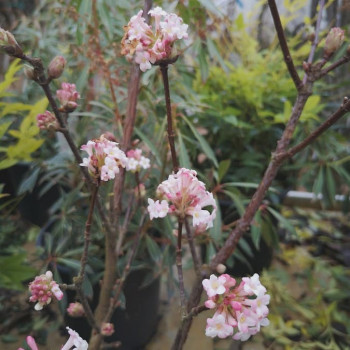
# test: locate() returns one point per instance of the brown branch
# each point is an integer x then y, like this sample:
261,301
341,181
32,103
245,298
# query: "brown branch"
79,280
111,236
333,66
284,46
120,284
196,260
315,41
179,269
171,135
343,109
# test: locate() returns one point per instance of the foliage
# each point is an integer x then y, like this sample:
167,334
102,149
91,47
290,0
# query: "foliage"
21,136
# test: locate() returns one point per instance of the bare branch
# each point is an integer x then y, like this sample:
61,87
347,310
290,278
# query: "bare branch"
284,46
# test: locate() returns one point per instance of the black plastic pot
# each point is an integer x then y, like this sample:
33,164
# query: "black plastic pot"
135,325
32,207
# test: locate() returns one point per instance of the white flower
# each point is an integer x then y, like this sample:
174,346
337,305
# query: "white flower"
157,209
252,285
217,326
75,341
214,285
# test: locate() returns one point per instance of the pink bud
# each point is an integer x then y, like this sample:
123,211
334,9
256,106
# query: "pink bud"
107,329
56,67
31,343
46,121
75,310
6,38
334,40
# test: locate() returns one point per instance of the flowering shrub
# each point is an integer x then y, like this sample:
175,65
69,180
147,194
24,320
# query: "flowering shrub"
240,310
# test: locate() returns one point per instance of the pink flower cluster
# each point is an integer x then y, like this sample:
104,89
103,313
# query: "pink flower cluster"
152,45
187,196
46,121
43,288
75,310
136,161
74,341
104,158
68,97
240,311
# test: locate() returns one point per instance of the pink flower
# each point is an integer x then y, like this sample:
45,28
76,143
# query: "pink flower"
157,209
74,341
104,158
217,327
43,288
31,343
187,197
75,310
68,97
46,121
153,44
235,306
136,161
107,329
214,285
252,285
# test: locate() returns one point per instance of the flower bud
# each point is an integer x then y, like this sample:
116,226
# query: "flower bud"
107,329
46,121
29,72
75,310
56,67
220,268
9,43
334,40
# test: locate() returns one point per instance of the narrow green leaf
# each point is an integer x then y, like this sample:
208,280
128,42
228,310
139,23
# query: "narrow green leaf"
183,155
224,165
149,144
283,221
27,185
216,231
256,229
203,143
153,249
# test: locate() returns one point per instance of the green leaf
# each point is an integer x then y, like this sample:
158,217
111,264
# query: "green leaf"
216,231
27,185
149,144
203,143
234,194
14,270
211,7
183,155
283,221
256,229
214,53
318,184
224,165
153,249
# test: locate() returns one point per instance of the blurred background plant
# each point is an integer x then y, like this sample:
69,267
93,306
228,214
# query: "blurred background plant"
231,96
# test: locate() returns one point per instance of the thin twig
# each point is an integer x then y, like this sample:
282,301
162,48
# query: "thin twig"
171,135
79,280
284,46
196,259
194,312
333,66
120,284
317,32
344,108
179,268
